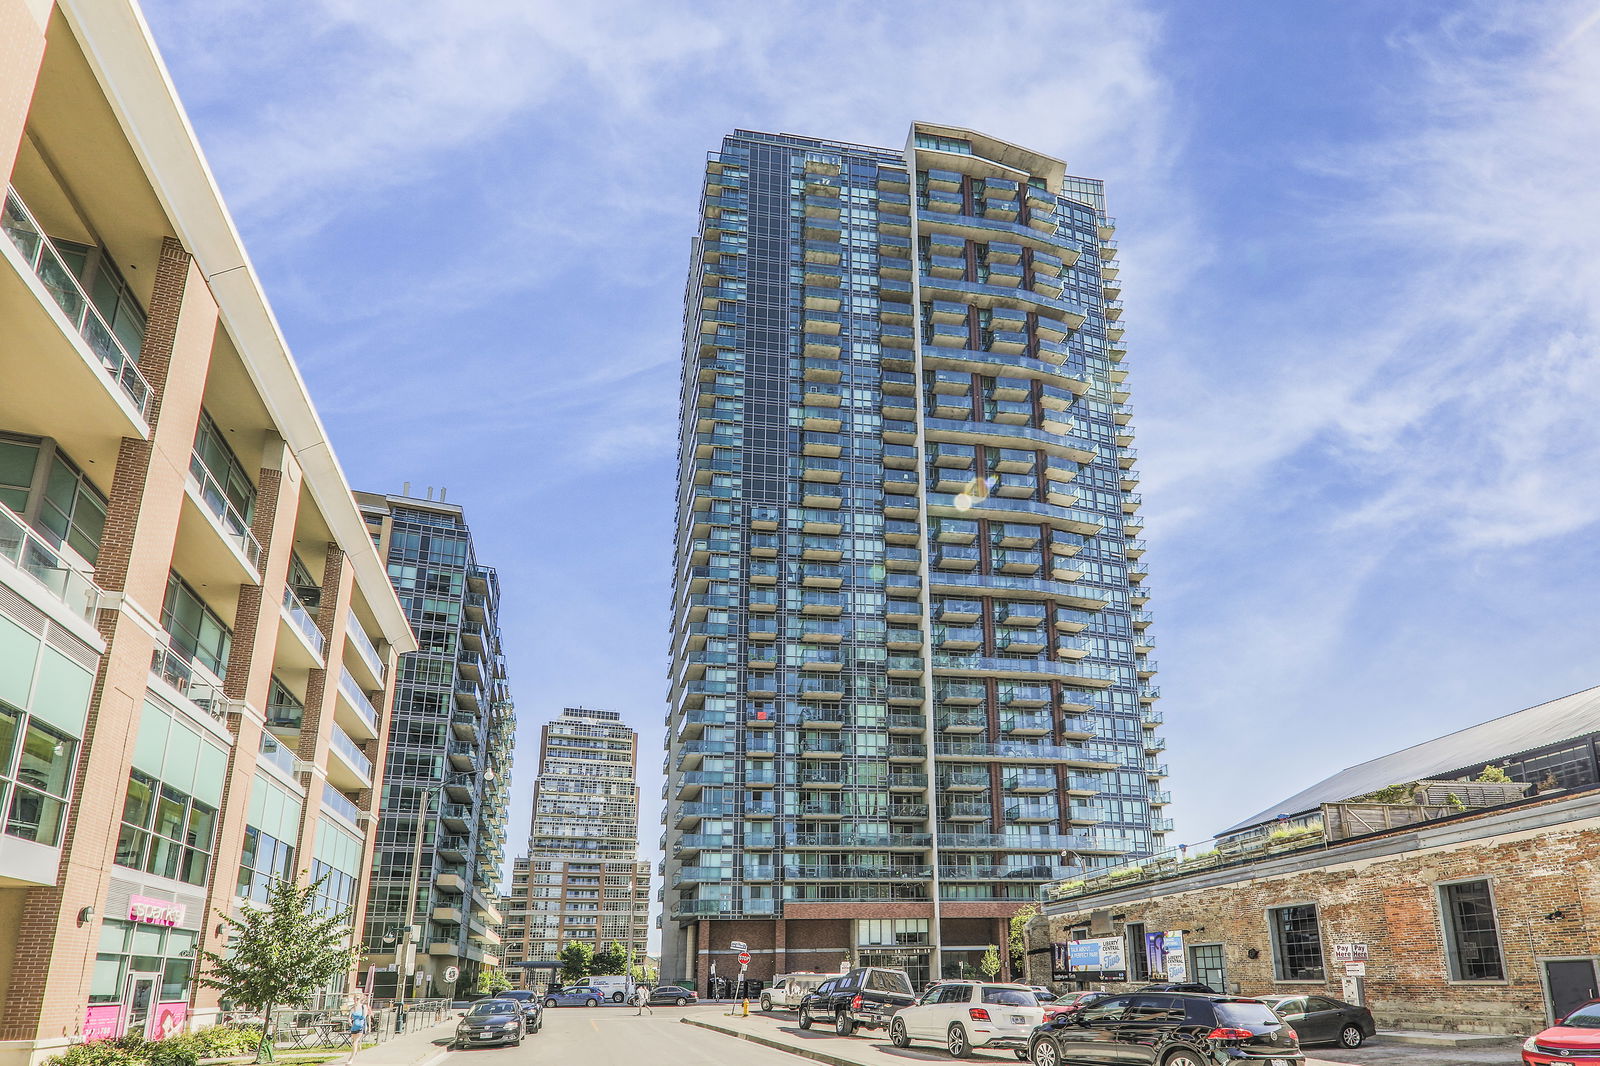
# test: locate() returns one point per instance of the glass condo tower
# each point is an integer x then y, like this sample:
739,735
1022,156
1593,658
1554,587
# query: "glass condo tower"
910,680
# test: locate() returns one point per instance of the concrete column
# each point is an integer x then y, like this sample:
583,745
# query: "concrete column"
22,24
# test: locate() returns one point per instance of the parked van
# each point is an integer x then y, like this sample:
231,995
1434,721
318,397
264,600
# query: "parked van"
789,989
617,987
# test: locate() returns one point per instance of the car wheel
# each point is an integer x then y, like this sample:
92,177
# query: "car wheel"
898,1035
1351,1036
805,1019
766,1003
682,1002
1181,1058
843,1025
591,1002
549,1003
1044,1053
1021,1054
956,1041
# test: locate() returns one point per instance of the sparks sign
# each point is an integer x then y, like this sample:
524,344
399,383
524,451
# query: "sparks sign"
147,911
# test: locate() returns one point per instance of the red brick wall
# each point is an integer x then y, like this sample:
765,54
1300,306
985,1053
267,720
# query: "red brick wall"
1391,905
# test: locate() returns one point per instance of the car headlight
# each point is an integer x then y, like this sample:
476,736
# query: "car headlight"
1528,1045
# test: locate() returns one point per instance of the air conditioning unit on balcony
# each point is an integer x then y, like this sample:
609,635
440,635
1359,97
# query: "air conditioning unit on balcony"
304,766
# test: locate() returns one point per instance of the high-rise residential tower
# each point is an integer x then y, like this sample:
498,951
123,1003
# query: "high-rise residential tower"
433,900
582,879
196,636
909,675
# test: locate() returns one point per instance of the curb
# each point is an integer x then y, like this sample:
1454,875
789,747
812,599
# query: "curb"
778,1045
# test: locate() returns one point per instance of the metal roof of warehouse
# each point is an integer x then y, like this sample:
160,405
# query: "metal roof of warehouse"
1534,727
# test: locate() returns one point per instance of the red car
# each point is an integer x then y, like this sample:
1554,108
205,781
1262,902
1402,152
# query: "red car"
1573,1038
1069,1002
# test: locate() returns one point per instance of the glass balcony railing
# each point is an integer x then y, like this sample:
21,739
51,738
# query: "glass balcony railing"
277,753
357,636
350,750
200,685
64,288
66,582
358,699
303,620
234,524
336,801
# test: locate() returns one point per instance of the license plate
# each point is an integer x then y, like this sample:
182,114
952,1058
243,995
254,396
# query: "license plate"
1019,1019
1281,1062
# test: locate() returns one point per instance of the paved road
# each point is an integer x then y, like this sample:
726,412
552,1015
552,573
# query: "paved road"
614,1036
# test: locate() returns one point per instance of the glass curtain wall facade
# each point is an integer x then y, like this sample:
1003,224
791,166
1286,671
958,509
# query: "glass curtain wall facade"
910,652
582,880
449,757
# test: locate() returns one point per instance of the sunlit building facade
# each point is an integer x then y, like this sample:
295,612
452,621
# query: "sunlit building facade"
197,639
910,673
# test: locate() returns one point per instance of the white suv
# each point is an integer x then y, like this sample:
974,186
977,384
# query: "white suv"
967,1014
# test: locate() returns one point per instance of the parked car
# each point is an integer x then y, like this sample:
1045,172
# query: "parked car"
575,996
1324,1020
1169,1028
672,994
963,1015
532,1007
864,998
1177,986
490,1021
1072,1001
1043,994
789,989
1575,1037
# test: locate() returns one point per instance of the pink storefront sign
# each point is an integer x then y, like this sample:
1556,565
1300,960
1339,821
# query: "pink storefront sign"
102,1021
149,911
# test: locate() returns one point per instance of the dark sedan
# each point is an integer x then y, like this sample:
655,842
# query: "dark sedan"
532,1007
1322,1020
1169,1029
672,994
490,1021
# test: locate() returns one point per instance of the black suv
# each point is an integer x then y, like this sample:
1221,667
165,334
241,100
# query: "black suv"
864,998
1167,1029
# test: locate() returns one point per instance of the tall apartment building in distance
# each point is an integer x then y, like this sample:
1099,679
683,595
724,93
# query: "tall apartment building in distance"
196,636
432,903
909,676
582,879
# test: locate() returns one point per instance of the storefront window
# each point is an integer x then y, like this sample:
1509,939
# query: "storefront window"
128,947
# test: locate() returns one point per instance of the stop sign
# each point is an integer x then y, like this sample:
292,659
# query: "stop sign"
744,958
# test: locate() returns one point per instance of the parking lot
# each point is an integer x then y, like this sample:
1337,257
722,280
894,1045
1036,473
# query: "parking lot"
872,1047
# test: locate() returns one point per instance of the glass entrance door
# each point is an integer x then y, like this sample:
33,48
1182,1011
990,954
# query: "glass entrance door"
1206,966
914,963
139,1002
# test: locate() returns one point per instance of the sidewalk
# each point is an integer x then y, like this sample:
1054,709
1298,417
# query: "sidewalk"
410,1048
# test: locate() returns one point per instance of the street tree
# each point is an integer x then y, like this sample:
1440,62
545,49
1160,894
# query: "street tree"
989,965
280,955
613,960
491,981
1019,938
577,961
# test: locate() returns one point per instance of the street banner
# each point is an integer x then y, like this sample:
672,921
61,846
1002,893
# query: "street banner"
1155,953
1176,966
1100,959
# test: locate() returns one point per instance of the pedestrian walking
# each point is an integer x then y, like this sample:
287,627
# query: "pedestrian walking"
399,1017
641,999
358,1027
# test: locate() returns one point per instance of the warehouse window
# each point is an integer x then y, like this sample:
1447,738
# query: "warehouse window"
1472,941
1296,943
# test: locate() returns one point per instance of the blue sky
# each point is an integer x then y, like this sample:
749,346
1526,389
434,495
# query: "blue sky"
1360,252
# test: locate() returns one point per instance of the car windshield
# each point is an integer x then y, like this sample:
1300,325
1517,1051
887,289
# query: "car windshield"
491,1006
1584,1017
1010,997
889,981
1244,1015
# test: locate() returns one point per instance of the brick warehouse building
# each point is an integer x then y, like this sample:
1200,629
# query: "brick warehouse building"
196,636
1478,919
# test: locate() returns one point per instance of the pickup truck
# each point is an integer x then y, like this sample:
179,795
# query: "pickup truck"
789,989
864,998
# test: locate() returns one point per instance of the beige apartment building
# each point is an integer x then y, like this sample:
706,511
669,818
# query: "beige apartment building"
197,637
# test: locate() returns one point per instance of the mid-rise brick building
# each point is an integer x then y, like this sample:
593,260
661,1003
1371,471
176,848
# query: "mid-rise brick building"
1462,904
196,636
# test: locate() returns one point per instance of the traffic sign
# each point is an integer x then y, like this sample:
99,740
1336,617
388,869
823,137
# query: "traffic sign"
744,958
450,974
1350,953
